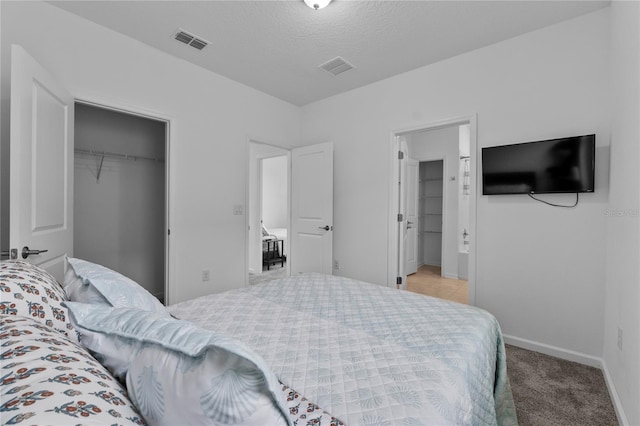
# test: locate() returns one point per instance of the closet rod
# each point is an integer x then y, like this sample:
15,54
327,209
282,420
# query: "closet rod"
115,155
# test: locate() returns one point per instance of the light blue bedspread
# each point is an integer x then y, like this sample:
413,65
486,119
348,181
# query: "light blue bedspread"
367,354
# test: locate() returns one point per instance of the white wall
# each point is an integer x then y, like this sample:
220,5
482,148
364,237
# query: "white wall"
622,296
119,218
211,119
274,192
540,269
443,144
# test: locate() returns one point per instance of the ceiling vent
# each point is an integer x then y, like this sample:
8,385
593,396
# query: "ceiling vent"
336,66
190,39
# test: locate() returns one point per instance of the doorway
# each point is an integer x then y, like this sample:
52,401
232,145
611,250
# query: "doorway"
268,212
120,193
309,232
445,152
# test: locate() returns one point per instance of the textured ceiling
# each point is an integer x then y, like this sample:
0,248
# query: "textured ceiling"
277,46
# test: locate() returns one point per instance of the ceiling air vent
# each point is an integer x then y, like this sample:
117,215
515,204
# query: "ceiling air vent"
190,39
336,66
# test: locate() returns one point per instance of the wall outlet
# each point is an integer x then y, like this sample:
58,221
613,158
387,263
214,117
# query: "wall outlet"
238,209
336,264
205,275
619,338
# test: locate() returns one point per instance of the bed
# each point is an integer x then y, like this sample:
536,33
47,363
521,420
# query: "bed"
367,354
306,350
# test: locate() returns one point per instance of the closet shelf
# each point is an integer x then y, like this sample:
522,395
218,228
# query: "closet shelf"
115,155
103,154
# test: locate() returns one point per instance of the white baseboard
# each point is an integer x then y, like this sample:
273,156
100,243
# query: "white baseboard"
578,357
554,351
617,404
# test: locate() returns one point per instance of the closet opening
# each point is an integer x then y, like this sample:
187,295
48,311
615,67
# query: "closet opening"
120,209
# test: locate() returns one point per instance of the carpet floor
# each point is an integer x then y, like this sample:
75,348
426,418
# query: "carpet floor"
275,272
550,391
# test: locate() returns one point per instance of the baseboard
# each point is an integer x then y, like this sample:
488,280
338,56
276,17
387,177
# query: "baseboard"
578,357
617,404
451,276
554,351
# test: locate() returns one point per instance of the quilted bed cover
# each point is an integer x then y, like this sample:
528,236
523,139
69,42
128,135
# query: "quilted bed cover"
367,354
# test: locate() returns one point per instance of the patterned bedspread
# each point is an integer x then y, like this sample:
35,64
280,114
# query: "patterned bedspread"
367,354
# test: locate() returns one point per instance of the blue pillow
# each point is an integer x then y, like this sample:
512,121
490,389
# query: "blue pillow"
178,373
88,282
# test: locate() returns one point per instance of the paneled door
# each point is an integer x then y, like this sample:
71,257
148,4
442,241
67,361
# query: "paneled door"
411,210
312,209
41,166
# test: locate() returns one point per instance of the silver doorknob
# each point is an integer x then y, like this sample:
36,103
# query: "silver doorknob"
26,252
326,228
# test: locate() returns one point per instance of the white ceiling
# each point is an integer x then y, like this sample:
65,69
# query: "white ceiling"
277,46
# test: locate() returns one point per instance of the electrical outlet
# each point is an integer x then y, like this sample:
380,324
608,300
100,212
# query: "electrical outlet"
238,209
336,264
619,338
205,275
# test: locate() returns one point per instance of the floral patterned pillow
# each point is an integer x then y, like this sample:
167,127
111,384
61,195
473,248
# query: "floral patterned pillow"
48,379
29,291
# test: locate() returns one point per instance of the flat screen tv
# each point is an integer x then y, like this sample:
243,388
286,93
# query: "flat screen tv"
564,165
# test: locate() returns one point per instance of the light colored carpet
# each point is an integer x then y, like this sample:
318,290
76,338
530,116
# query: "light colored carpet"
550,391
275,272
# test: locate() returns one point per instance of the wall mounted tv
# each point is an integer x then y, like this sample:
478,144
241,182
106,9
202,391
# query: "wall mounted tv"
564,165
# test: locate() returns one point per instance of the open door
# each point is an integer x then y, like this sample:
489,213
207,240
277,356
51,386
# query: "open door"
312,209
411,211
41,161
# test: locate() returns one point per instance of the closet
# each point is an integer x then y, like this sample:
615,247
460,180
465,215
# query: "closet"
430,212
119,193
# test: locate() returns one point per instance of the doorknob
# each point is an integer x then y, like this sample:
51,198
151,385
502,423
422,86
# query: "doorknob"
326,228
26,252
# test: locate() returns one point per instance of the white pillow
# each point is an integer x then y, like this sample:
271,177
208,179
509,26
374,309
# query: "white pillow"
178,373
88,282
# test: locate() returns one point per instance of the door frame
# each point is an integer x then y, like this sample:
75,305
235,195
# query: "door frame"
135,110
283,150
393,252
417,223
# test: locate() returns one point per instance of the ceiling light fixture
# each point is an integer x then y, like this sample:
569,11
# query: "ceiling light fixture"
317,4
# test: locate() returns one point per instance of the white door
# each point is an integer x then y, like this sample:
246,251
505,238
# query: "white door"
41,165
411,211
312,209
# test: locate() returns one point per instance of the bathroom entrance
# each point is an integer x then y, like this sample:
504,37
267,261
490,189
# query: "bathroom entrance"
444,196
